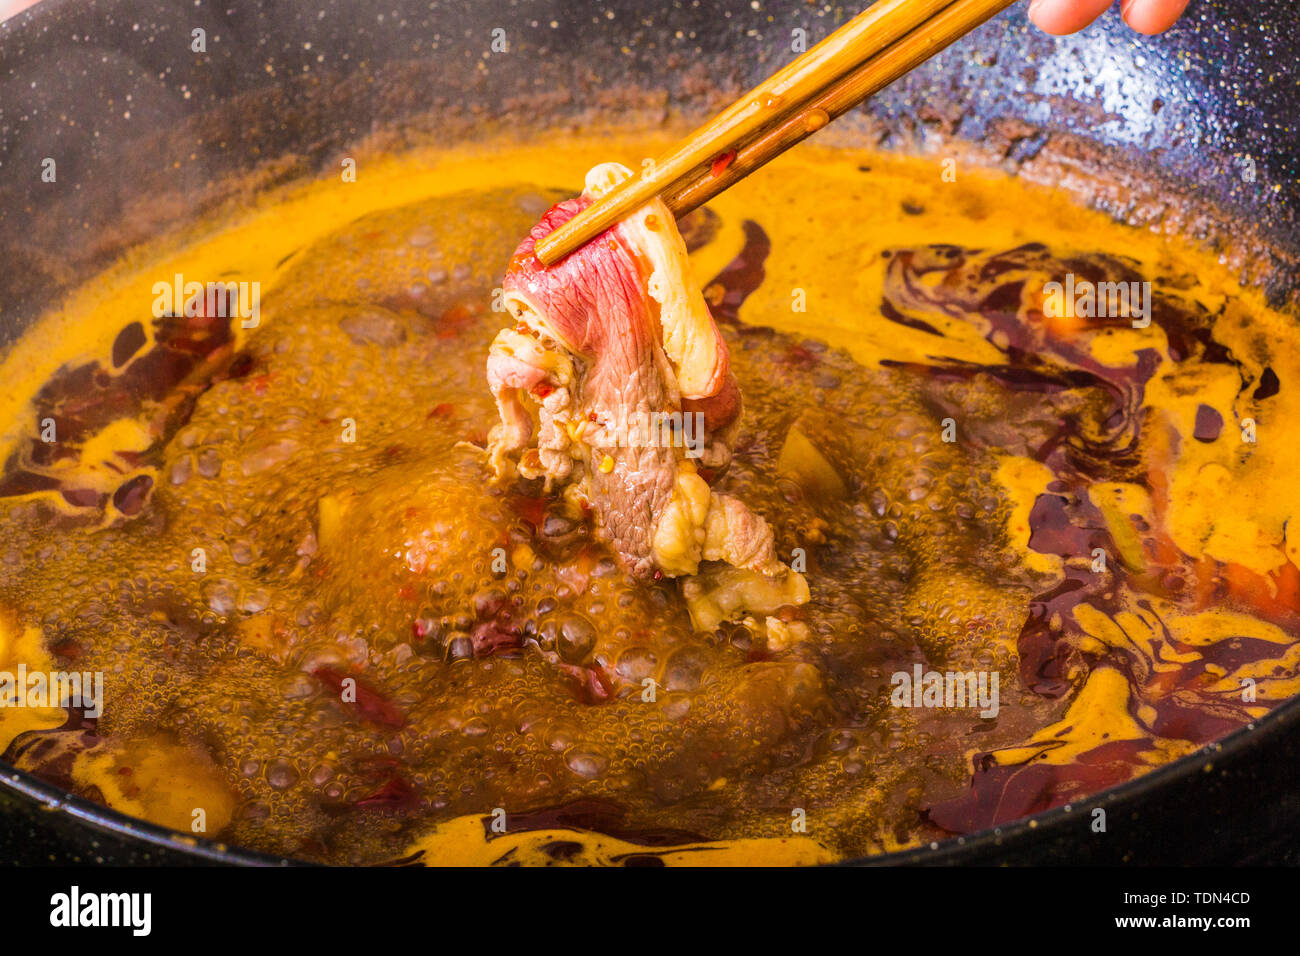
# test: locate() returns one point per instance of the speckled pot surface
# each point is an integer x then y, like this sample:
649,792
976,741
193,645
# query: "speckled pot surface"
149,135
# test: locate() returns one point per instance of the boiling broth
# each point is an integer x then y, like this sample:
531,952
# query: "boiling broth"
324,633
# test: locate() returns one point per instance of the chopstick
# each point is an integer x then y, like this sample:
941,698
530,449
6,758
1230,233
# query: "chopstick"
873,76
845,49
883,43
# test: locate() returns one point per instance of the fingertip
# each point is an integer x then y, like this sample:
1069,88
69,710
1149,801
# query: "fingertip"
1061,17
1152,16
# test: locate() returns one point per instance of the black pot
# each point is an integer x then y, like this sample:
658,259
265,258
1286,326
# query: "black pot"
148,134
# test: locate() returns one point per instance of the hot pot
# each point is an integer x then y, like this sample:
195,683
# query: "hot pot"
1195,127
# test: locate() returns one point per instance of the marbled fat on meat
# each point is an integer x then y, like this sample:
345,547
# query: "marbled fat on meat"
615,385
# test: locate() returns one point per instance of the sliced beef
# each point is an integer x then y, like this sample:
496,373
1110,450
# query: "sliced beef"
614,387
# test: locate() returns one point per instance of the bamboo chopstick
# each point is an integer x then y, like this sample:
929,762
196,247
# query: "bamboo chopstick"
871,51
877,73
843,51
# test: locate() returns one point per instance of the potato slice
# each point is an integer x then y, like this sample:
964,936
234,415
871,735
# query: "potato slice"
802,460
160,781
